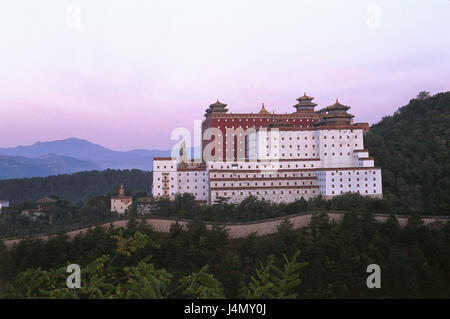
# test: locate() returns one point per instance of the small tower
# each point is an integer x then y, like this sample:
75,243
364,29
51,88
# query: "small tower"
305,104
120,203
121,191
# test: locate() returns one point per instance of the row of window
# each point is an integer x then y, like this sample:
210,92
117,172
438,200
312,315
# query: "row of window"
323,179
366,192
340,137
263,166
357,173
264,184
257,175
357,185
195,187
195,174
254,126
334,154
267,120
265,192
172,193
165,166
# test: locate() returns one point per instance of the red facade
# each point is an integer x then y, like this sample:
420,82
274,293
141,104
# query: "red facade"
222,121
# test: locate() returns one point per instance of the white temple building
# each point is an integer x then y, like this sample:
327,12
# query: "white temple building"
278,157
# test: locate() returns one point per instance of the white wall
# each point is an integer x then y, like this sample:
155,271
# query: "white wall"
194,182
339,181
337,146
165,174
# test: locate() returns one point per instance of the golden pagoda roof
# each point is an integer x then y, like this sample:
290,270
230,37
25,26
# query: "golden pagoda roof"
337,106
263,110
305,97
218,104
340,114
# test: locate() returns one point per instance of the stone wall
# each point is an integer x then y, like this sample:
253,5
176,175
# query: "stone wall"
238,230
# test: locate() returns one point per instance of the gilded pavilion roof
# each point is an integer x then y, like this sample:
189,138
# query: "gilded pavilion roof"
337,106
339,114
216,107
304,103
217,104
305,97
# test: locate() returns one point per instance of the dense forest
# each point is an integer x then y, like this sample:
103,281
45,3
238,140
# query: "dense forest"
324,260
76,187
412,147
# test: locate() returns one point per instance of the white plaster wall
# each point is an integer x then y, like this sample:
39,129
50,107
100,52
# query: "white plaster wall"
275,195
161,169
118,206
337,146
193,182
337,182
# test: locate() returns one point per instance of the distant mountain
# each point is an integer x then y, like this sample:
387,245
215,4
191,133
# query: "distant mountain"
97,156
21,167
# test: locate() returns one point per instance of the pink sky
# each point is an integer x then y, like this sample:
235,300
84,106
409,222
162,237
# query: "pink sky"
133,71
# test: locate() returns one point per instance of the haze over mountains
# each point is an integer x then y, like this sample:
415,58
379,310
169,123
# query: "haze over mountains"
70,156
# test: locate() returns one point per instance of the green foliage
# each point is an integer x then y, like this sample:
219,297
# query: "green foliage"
273,282
115,263
412,148
128,246
145,282
202,285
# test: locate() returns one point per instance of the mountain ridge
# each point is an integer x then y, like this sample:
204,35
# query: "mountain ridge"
78,151
23,167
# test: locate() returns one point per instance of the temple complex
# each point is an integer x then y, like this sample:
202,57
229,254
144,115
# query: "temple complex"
278,157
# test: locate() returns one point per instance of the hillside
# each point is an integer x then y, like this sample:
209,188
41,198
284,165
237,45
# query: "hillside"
412,148
75,187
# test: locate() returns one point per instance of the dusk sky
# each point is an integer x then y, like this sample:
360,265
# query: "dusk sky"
124,74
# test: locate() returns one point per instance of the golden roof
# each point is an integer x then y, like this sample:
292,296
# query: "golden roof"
338,106
218,104
263,110
305,97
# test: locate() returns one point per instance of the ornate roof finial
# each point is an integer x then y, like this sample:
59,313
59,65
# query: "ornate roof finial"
263,110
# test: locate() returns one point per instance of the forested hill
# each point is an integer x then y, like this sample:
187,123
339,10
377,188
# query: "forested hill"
412,148
75,187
